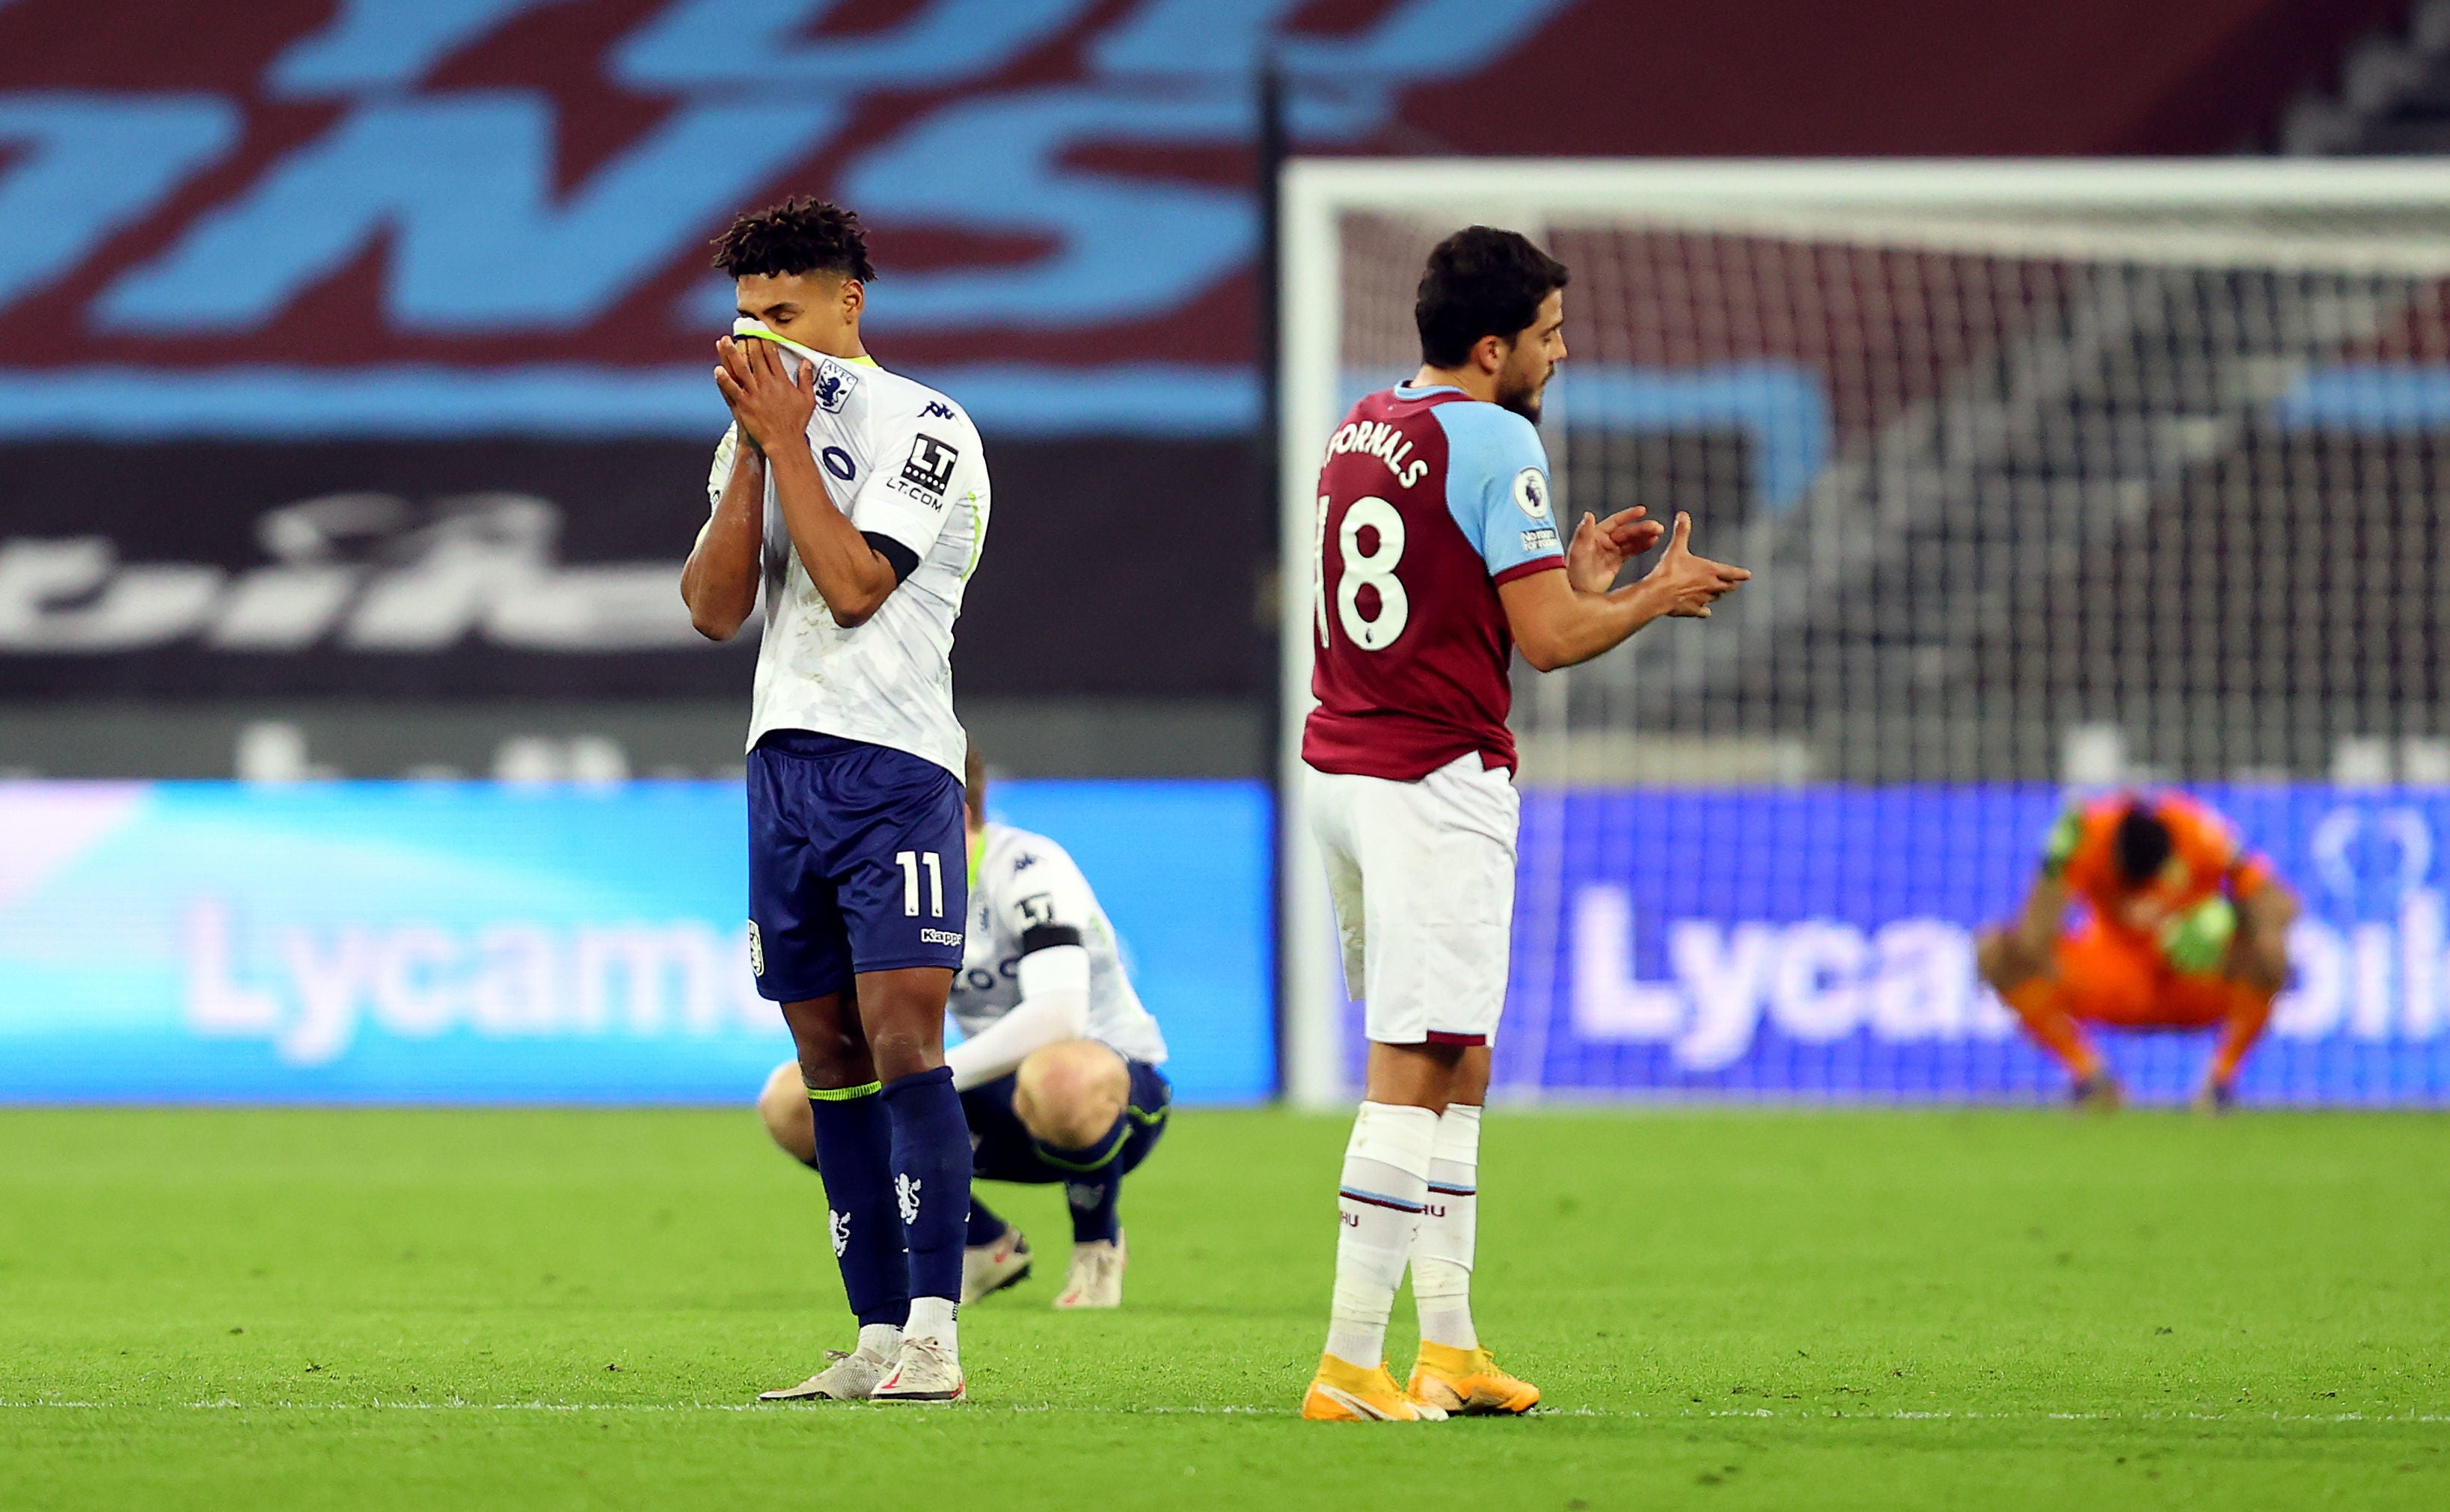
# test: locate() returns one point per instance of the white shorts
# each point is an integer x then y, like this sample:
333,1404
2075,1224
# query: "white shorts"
1423,879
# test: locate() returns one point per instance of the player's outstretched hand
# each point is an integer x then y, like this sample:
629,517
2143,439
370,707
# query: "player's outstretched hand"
1602,547
1692,583
768,405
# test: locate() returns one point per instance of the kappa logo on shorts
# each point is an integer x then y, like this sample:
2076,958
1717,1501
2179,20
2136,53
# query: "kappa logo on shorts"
1532,493
756,951
840,1224
939,937
906,1191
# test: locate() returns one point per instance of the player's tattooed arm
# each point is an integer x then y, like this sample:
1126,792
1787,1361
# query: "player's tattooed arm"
1558,621
719,582
2021,947
2259,952
774,410
2036,926
2024,941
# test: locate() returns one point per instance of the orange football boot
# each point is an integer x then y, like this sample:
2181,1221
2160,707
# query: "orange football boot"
1468,1381
1343,1392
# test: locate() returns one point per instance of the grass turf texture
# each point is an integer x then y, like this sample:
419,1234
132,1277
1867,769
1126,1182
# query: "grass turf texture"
1804,1309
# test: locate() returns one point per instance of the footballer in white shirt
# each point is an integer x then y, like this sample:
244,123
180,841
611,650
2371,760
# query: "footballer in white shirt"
855,500
1058,1063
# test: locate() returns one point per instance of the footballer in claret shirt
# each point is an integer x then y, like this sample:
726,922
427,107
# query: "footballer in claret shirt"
1438,554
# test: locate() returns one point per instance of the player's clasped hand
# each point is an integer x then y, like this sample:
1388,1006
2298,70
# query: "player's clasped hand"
764,399
1692,583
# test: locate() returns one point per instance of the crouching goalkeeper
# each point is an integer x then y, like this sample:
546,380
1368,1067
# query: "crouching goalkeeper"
2177,926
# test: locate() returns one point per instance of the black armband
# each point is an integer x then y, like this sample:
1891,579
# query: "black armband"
899,557
1047,937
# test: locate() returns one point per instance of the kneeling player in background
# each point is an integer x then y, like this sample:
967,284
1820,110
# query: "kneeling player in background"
1057,1067
2180,928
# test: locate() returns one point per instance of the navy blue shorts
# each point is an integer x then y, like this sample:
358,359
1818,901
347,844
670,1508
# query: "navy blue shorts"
1002,1149
856,864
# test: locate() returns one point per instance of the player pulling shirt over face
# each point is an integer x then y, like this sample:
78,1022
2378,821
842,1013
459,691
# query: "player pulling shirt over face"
852,502
1058,1063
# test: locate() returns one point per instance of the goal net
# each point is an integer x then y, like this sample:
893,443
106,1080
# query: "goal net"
2052,477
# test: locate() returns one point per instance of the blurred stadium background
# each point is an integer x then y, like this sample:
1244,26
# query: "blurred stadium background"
353,414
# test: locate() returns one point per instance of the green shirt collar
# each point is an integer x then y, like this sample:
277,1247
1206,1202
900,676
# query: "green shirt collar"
744,326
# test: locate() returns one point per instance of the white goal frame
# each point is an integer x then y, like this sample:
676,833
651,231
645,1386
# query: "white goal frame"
1783,196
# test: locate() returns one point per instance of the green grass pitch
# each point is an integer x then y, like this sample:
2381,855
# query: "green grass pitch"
1726,1309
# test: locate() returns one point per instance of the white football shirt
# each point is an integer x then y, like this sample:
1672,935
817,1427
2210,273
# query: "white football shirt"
902,461
1024,881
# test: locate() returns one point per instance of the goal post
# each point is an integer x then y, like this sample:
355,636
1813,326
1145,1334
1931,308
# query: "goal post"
2052,474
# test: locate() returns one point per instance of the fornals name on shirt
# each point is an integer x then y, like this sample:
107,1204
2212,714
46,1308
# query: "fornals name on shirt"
1384,442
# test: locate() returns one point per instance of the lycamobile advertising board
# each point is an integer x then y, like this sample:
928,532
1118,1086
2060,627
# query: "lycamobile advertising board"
1818,943
469,943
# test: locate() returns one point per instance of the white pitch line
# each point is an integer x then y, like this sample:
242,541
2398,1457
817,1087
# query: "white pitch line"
227,1404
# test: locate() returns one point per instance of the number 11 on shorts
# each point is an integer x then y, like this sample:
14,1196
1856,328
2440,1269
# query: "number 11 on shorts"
910,861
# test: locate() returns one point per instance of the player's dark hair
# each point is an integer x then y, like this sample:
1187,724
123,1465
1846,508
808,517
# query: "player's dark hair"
797,236
2143,843
1481,281
974,784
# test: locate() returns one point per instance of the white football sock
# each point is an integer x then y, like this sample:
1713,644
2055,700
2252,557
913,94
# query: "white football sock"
882,1340
932,1318
1385,1181
1449,1230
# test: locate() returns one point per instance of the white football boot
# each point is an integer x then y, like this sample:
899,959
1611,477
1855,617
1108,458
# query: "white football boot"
848,1377
987,1267
927,1371
1096,1277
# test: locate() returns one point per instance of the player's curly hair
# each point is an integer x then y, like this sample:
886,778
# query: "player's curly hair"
1481,281
803,235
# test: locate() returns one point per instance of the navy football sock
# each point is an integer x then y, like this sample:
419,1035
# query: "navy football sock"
1094,1188
984,1226
1095,1202
931,1177
855,1157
